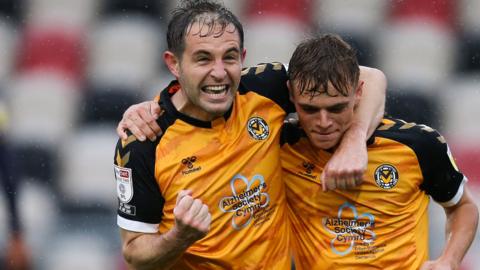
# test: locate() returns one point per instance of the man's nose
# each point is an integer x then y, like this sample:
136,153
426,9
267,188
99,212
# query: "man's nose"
324,120
218,70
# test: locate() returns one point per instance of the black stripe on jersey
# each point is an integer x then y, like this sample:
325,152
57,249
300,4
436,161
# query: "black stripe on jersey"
140,158
268,80
440,179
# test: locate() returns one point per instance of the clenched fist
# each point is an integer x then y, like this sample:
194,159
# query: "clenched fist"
192,218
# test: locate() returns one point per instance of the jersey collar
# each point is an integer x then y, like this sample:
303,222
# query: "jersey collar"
166,103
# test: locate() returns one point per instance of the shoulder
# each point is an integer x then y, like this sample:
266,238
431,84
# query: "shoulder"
421,138
268,80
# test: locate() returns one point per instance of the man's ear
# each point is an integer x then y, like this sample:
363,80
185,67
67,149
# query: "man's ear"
290,90
244,54
172,62
359,92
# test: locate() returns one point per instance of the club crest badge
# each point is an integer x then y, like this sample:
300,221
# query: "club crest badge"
386,176
258,129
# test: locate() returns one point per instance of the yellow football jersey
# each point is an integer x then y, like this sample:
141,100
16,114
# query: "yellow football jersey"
232,164
381,224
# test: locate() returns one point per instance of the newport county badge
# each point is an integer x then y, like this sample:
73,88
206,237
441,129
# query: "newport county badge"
258,128
124,183
386,176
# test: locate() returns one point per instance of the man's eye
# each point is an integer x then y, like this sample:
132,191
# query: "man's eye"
230,58
337,109
309,110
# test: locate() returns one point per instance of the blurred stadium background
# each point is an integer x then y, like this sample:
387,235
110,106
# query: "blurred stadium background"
69,68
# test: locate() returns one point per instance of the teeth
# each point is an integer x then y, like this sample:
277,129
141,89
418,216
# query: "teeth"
215,89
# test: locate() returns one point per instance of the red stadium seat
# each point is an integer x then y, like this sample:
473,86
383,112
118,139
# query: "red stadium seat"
53,49
297,10
441,12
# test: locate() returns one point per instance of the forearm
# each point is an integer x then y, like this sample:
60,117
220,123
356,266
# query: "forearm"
460,231
370,110
152,251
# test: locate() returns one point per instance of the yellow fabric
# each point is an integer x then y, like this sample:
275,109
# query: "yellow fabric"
239,178
369,227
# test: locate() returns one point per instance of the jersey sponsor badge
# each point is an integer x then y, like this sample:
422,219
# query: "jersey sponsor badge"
386,176
257,128
124,183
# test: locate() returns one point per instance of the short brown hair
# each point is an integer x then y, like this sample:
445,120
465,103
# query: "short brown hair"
323,59
206,12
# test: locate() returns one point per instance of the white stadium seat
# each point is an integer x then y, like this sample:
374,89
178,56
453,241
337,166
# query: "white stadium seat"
44,107
272,39
350,16
86,176
416,54
62,13
125,52
79,251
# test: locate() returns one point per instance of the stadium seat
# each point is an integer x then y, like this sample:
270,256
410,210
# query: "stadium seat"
416,54
460,100
53,49
413,106
86,178
293,10
362,18
107,104
152,8
44,107
11,9
36,161
442,13
356,21
272,39
469,55
39,214
125,52
7,49
77,251
69,14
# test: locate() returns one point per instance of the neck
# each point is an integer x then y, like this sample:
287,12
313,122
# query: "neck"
182,104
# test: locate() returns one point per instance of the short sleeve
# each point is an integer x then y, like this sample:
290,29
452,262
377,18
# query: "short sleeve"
140,203
443,181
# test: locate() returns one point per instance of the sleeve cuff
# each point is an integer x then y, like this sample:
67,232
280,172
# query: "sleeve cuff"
136,226
457,196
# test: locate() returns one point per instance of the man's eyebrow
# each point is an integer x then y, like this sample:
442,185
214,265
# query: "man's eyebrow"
201,52
233,49
342,104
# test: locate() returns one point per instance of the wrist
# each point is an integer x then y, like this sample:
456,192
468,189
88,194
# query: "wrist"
176,238
454,264
356,131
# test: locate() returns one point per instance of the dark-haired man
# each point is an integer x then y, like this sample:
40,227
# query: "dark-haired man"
382,223
207,193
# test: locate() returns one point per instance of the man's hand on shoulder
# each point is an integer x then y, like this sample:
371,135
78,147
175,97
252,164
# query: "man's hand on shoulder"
141,120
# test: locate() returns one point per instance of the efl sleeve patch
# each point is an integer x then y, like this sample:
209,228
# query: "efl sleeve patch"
124,183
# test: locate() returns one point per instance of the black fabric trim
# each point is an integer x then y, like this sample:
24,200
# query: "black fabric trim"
270,83
440,179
